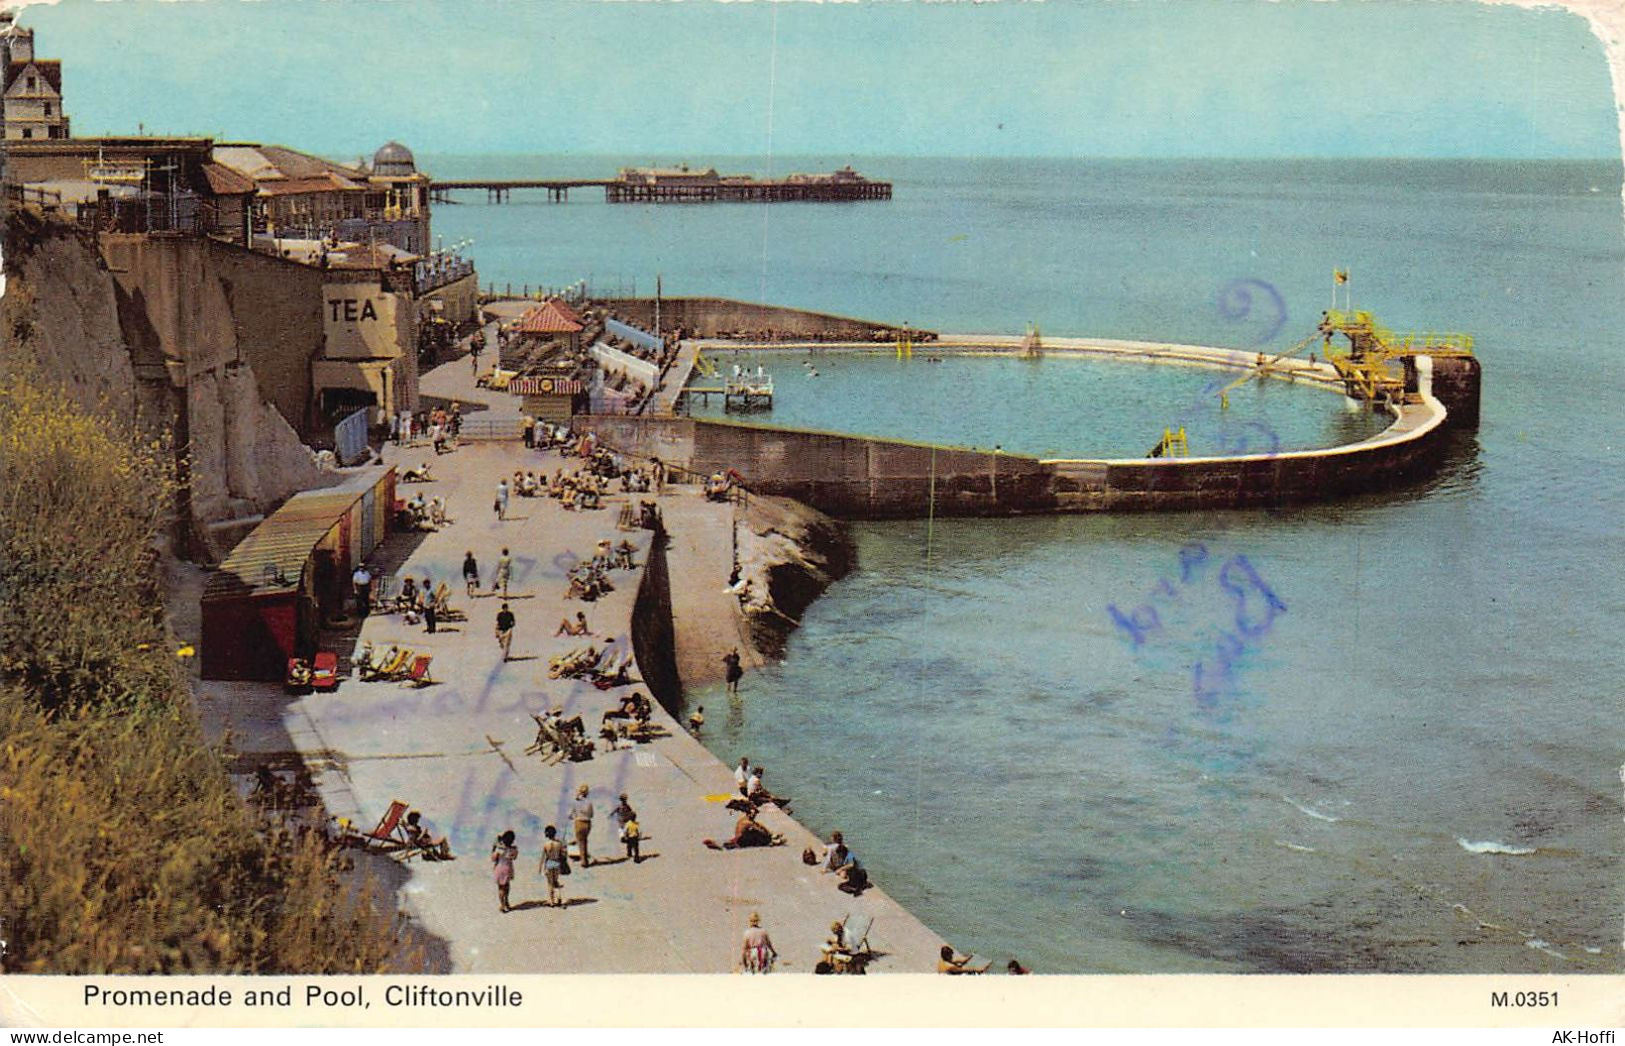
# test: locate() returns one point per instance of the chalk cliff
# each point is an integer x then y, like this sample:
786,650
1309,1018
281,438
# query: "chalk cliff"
166,360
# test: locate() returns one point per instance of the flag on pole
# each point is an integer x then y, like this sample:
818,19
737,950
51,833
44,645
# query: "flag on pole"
1340,275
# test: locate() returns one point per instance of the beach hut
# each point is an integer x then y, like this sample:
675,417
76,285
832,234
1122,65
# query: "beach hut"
266,601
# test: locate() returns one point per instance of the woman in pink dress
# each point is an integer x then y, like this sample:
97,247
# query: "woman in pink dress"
503,855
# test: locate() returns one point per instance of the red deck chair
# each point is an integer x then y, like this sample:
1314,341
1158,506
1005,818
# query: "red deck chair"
324,671
419,673
389,836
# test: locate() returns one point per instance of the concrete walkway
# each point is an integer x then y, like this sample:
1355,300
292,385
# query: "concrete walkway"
455,751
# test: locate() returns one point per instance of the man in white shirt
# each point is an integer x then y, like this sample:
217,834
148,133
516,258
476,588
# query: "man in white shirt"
362,580
581,814
742,776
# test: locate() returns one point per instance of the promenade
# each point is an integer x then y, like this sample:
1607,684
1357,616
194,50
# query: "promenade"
456,750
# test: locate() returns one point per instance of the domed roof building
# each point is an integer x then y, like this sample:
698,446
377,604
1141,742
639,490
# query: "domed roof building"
394,160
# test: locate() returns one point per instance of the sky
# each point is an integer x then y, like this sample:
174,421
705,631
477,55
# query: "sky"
1154,78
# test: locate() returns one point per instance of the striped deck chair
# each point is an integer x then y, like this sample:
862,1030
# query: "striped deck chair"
418,674
388,837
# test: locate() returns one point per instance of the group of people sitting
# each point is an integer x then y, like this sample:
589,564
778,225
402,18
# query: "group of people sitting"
753,795
564,737
588,581
720,485
575,662
424,514
637,481
751,789
630,720
621,556
545,435
423,602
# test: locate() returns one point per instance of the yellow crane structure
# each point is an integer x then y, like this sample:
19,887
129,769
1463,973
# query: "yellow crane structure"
1365,363
1262,369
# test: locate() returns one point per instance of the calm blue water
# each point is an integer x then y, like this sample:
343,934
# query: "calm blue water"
1075,407
1271,741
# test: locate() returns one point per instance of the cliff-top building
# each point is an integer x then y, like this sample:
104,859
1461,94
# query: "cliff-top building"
300,196
31,88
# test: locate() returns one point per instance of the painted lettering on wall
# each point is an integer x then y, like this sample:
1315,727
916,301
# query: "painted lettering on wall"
350,310
360,322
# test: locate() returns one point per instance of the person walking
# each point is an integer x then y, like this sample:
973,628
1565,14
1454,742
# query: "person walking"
471,572
554,864
503,855
499,580
431,610
733,671
361,580
505,623
501,505
581,817
527,428
623,815
631,834
756,953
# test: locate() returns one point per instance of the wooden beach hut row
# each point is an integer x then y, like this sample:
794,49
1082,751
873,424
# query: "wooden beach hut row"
266,601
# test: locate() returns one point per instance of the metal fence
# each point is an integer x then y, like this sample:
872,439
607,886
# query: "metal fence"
627,332
489,429
350,437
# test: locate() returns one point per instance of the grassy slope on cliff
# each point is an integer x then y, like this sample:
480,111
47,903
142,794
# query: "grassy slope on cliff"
123,845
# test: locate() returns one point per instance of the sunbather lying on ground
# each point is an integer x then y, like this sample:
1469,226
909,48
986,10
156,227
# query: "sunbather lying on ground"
748,832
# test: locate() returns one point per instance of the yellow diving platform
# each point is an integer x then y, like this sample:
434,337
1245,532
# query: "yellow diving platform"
1365,365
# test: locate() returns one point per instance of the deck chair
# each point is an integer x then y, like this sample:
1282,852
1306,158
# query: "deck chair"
379,666
394,667
443,607
388,837
547,740
324,671
418,674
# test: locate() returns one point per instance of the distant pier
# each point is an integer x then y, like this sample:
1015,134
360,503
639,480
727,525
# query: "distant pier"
683,185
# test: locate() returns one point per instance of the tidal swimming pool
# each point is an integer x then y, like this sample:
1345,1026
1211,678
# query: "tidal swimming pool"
1065,406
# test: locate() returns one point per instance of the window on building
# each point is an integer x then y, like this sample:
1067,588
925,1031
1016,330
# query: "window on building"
28,132
31,83
47,108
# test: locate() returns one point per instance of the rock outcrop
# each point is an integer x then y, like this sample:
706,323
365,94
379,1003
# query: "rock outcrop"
788,555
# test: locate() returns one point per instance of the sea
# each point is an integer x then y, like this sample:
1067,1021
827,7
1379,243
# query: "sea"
1376,735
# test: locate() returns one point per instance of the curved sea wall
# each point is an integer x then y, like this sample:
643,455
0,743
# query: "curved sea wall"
859,477
724,317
